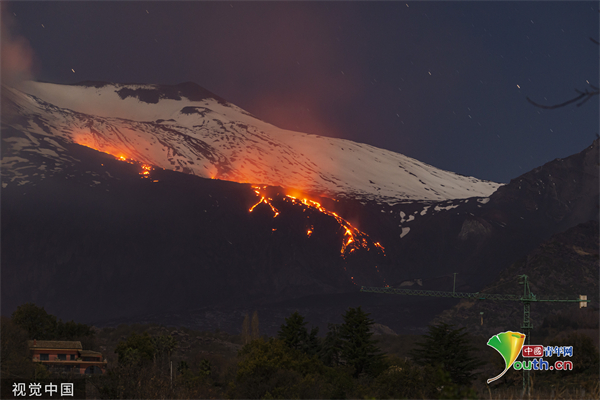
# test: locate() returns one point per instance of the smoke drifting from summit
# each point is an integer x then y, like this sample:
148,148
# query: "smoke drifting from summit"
284,61
17,57
433,81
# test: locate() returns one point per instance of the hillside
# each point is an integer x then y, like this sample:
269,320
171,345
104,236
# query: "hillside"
566,265
109,238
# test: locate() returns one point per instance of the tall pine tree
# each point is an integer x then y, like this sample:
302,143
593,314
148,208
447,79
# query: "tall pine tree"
255,331
359,349
449,349
331,350
246,338
295,335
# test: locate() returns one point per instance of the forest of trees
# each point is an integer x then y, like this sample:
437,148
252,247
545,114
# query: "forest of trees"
348,361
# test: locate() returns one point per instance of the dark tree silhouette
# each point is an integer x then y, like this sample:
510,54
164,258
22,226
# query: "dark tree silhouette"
450,349
43,326
294,334
36,321
358,348
582,98
136,349
331,350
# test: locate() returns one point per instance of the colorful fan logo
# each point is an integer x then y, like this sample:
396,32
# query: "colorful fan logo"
509,345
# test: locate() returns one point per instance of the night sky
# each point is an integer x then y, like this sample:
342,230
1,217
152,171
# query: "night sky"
443,82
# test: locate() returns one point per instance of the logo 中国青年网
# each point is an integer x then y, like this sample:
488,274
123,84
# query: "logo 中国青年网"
510,344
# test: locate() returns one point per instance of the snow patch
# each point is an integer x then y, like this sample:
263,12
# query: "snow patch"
450,207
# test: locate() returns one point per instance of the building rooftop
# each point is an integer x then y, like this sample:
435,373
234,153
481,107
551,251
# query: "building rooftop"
54,344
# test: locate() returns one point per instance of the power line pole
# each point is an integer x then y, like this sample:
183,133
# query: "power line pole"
454,284
526,299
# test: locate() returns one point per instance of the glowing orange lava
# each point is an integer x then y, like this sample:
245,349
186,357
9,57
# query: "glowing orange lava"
263,199
87,141
118,154
310,231
354,239
145,171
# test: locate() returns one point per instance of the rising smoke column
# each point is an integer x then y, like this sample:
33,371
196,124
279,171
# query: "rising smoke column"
17,57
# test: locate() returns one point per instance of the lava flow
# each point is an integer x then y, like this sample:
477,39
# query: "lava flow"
354,239
263,199
103,148
145,171
310,231
119,155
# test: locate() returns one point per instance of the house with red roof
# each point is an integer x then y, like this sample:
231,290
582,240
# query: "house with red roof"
67,357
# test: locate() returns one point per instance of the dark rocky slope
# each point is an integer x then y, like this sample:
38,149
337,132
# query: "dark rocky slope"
566,265
88,239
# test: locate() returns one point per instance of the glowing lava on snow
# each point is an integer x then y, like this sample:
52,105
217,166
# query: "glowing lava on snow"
119,155
354,239
93,144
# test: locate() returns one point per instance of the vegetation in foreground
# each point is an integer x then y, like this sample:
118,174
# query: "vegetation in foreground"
151,361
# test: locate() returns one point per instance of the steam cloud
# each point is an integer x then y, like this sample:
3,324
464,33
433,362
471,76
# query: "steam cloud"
16,54
305,73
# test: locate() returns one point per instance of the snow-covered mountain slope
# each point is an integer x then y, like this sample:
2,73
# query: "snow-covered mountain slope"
186,128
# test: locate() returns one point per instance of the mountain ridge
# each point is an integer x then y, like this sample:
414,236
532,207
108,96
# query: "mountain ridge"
210,139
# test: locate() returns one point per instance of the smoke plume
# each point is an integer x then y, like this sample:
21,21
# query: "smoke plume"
16,53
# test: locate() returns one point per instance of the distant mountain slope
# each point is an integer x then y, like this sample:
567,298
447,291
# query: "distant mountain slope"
480,237
188,129
563,192
97,239
565,265
184,247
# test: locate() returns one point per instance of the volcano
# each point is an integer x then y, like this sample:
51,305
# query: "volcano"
168,204
186,128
